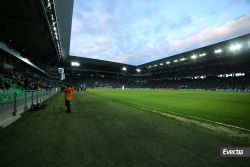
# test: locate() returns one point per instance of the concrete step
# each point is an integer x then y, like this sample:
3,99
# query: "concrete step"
9,121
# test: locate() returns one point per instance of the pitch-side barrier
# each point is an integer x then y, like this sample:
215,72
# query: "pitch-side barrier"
12,104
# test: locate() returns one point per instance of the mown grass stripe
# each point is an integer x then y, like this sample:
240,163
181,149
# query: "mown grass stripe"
190,116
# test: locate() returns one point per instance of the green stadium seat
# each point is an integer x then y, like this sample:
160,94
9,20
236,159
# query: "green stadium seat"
2,100
10,98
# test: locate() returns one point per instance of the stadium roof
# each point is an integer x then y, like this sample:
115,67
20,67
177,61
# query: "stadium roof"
209,53
25,26
87,61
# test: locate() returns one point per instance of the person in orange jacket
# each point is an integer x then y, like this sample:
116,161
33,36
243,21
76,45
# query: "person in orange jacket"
68,94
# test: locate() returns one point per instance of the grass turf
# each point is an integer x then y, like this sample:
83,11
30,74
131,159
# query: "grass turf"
225,107
103,133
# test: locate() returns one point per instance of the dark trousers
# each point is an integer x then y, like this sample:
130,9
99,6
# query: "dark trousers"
67,103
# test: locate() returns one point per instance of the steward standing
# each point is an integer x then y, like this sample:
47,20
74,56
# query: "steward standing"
68,94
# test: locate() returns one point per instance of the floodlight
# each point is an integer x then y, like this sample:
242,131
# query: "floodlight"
138,70
26,59
218,51
193,57
235,47
49,4
124,68
202,54
182,59
161,64
75,64
176,61
168,62
52,17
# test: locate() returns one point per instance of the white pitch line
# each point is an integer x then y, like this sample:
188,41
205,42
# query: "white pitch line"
195,117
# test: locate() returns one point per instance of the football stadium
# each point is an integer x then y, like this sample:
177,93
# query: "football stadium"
117,102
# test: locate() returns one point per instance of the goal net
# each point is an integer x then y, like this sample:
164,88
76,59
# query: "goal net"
108,87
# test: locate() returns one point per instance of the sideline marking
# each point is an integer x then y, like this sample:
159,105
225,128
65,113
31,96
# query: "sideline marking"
186,115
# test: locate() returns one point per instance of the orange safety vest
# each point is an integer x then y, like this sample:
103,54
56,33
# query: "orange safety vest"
68,93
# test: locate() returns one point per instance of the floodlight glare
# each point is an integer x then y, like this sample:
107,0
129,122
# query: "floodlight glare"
155,65
193,57
176,61
235,47
218,51
138,70
124,68
182,59
52,17
26,59
75,64
203,54
161,64
168,62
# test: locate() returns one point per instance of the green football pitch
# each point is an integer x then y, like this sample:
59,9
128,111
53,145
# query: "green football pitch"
103,131
230,108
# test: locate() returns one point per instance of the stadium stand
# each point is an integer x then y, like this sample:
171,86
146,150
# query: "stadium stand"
18,82
99,81
205,78
210,77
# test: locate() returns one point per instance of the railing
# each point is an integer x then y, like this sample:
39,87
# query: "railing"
15,103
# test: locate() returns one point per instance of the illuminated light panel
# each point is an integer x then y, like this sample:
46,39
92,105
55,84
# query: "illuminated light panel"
218,51
176,61
204,54
193,57
161,64
52,17
138,70
75,64
235,47
168,62
124,68
182,59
